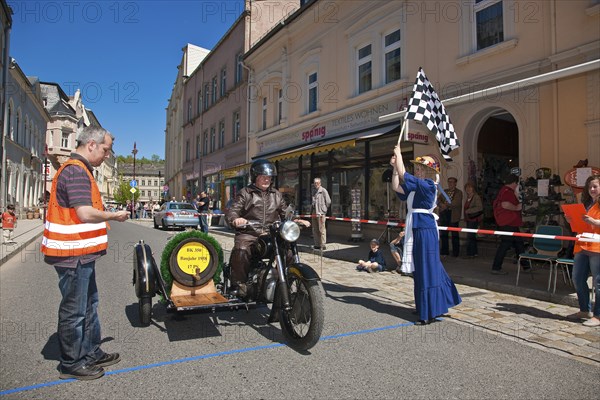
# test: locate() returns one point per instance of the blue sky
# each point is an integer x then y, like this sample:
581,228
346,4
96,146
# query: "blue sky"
123,55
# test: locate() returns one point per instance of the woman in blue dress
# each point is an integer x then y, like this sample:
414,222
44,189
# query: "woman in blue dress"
434,290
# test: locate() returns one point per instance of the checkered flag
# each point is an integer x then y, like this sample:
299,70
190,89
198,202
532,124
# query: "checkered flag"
426,106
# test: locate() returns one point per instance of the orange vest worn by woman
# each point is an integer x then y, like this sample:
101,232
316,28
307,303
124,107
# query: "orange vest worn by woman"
594,247
64,234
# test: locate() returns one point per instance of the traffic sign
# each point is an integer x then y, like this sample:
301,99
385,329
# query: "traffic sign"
133,190
133,183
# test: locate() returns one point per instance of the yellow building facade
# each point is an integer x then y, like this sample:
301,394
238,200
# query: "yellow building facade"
520,80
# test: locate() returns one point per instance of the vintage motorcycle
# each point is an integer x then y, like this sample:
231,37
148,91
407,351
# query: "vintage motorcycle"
192,266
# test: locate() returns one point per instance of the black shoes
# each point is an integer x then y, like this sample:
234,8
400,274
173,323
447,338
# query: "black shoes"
85,373
108,359
499,272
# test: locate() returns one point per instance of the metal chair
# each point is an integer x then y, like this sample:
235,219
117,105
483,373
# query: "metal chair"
563,264
547,250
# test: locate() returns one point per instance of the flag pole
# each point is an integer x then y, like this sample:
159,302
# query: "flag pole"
402,131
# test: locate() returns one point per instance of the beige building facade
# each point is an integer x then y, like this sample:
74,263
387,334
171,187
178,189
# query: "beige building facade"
215,148
174,176
323,80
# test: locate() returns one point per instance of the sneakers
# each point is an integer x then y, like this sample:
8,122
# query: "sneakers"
108,359
580,315
85,373
594,321
499,272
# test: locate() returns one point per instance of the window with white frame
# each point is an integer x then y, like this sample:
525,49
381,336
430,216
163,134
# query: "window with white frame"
223,82
221,133
391,52
65,139
313,93
264,113
279,106
365,69
214,90
206,96
198,145
199,102
238,68
489,23
213,137
205,147
189,110
236,127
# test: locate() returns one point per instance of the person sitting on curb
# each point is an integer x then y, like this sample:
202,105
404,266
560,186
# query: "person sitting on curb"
396,247
376,261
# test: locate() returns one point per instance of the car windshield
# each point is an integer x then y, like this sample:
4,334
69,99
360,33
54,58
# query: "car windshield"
181,206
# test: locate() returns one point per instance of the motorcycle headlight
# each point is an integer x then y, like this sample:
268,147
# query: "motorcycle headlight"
290,231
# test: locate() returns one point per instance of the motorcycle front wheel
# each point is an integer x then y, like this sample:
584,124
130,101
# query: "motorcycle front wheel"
303,323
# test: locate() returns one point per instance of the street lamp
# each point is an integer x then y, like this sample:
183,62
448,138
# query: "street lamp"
134,152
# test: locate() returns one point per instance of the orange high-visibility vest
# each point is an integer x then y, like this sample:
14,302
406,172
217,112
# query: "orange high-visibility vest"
64,234
593,212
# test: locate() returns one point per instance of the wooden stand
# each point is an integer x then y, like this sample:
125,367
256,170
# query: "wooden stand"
185,296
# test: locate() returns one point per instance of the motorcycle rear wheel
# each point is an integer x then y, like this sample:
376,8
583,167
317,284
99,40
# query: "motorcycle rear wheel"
302,325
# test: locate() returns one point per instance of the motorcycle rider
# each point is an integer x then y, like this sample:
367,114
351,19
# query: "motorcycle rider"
259,201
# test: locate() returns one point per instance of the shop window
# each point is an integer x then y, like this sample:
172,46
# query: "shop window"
348,182
288,181
383,202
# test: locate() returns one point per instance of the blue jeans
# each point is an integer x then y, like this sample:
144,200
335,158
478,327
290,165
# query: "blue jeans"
472,238
506,242
78,324
586,262
203,223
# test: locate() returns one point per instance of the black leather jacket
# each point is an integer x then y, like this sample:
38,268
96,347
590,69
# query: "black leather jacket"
253,204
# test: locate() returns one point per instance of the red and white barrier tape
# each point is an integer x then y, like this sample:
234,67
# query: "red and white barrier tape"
467,230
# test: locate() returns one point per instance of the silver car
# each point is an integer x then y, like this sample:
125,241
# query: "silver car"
176,214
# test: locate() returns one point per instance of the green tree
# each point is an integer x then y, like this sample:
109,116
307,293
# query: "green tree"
122,192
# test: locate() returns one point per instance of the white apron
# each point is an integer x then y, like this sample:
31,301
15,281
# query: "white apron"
408,264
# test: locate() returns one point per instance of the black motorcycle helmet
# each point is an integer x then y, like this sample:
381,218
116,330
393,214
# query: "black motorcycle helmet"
262,167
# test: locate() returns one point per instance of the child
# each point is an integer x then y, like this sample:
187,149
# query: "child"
376,261
9,223
396,246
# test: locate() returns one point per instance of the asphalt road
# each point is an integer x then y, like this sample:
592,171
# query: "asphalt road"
370,347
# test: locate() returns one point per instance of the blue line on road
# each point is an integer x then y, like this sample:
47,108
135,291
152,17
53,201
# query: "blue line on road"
200,357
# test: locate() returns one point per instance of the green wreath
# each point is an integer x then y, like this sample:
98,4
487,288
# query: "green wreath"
166,255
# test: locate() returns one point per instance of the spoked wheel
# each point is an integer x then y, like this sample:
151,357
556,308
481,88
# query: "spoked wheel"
302,325
145,310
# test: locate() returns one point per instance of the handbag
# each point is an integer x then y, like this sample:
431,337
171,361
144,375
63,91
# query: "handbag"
474,215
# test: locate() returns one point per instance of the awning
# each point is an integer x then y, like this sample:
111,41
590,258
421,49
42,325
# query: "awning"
333,144
233,172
